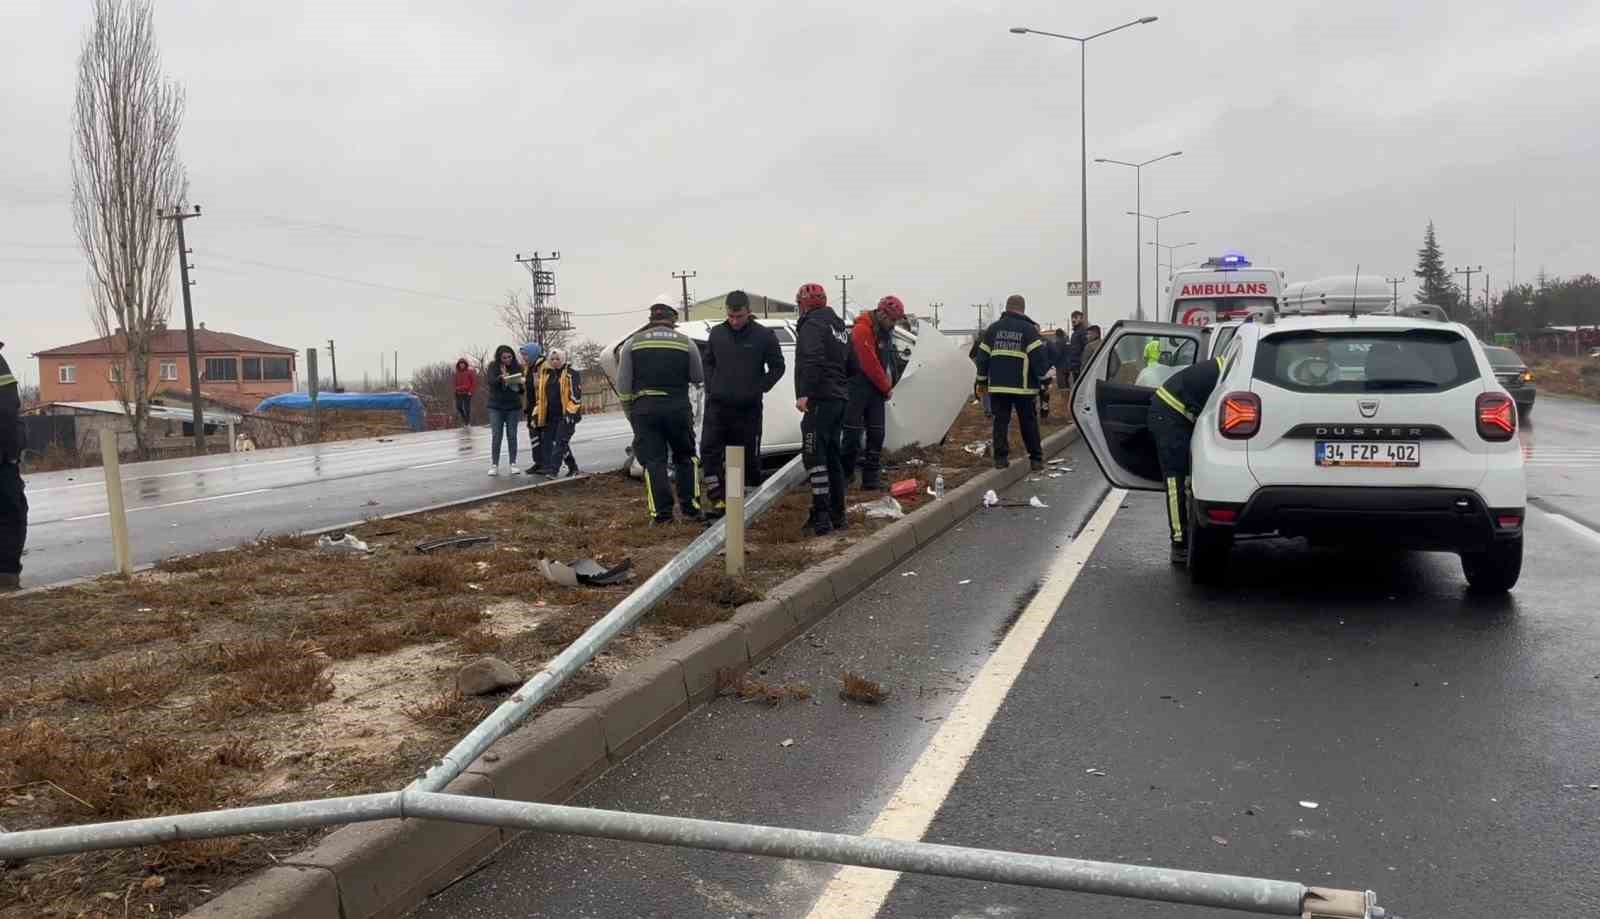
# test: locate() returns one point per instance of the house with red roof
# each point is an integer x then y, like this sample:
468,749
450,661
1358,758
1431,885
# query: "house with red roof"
233,368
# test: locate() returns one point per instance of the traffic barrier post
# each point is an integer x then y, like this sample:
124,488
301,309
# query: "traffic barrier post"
734,477
119,511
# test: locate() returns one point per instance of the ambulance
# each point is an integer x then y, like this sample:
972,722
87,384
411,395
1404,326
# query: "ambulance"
1222,288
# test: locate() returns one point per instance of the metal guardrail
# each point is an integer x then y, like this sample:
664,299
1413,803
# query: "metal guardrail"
580,652
1195,888
423,800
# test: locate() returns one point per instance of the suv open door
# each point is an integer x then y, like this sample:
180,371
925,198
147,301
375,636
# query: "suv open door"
1111,403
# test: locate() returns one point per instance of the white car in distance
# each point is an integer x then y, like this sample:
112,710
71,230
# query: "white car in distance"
1345,429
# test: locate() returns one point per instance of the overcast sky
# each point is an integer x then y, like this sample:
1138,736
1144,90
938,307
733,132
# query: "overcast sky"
343,149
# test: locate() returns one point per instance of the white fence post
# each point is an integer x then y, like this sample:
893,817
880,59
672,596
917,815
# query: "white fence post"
119,512
734,479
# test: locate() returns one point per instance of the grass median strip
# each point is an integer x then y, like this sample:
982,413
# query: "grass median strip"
276,671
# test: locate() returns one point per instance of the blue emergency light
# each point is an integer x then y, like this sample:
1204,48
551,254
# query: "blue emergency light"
1234,260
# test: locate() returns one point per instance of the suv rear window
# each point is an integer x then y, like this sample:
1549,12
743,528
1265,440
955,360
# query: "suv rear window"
1418,360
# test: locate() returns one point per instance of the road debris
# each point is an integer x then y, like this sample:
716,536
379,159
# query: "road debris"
460,540
1309,805
1095,772
904,488
967,581
977,448
908,574
857,688
749,689
1220,840
990,499
886,508
787,742
345,543
1035,502
486,675
586,572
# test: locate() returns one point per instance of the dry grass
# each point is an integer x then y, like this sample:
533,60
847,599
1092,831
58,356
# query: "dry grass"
208,682
123,684
1568,375
857,688
749,689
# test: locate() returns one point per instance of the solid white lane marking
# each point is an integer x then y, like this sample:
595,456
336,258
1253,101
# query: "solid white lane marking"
157,507
437,465
856,892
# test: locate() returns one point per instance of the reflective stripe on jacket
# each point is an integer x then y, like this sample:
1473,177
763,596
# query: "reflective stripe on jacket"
1011,358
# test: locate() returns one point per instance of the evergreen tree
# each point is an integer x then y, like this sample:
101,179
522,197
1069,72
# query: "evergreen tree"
1438,286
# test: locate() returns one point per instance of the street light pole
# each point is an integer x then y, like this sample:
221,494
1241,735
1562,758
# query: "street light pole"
1158,220
1083,136
1138,229
1171,259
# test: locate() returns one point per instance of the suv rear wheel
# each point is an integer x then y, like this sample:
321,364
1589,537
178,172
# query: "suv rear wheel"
1209,548
1496,569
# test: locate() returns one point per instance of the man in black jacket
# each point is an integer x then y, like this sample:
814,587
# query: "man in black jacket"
13,500
743,362
822,352
1075,346
1011,362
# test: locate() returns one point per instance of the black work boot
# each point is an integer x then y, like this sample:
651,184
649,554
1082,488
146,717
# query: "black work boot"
1001,462
1035,465
818,524
9,581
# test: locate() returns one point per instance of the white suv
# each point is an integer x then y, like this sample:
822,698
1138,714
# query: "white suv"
1362,430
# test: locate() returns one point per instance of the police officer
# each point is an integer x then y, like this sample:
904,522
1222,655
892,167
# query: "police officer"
1011,362
822,353
1173,409
13,502
872,370
657,366
743,362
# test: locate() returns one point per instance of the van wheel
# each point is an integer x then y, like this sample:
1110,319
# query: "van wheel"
1495,570
1209,548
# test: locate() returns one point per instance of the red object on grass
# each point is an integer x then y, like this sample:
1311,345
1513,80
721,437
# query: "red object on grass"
904,488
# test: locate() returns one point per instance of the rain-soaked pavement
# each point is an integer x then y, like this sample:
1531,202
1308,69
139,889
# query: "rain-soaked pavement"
1334,718
193,505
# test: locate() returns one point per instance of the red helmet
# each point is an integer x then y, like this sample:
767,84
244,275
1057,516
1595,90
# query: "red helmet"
811,296
891,307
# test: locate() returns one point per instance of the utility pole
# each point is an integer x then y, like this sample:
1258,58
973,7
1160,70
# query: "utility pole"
844,294
334,360
1488,312
684,276
542,318
178,216
1469,272
936,305
1394,301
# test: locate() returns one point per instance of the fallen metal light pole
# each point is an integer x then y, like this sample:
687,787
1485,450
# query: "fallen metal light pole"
1194,888
580,652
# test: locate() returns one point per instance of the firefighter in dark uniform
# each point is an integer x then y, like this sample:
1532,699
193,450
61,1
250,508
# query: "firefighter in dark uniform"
13,502
657,367
1011,361
872,372
822,353
1173,409
743,362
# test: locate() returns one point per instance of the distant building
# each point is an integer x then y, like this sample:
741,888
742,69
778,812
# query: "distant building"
761,307
91,371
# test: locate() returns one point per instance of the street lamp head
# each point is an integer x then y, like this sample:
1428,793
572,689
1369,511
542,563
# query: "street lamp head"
1019,30
1101,159
1176,153
1147,20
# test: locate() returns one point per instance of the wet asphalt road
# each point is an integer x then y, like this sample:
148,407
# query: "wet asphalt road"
1449,742
193,505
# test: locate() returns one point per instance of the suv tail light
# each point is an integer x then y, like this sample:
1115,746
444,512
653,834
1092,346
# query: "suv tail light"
1497,416
1240,417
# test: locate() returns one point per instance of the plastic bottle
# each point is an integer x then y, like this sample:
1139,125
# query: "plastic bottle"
938,486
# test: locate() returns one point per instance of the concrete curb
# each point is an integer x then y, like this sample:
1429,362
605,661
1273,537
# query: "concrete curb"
381,870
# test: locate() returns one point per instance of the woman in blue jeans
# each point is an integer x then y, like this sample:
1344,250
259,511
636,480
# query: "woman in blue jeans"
505,406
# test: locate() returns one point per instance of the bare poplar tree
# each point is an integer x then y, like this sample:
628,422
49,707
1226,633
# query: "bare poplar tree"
125,167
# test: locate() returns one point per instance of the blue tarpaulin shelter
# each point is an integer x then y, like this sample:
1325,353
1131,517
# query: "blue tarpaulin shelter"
404,402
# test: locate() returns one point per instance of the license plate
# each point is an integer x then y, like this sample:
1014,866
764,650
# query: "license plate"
1368,453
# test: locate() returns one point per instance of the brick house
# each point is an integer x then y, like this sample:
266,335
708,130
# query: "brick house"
90,371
